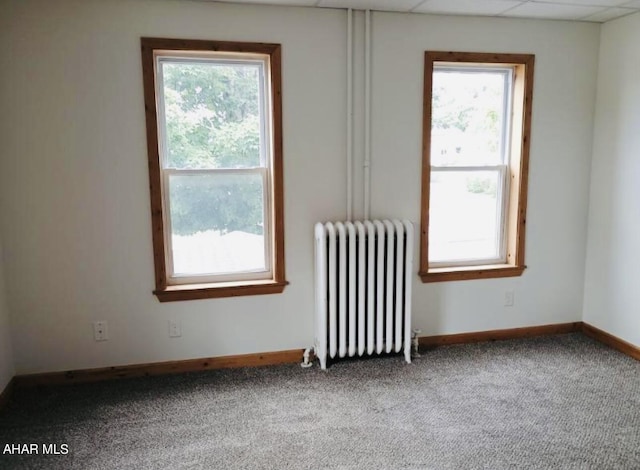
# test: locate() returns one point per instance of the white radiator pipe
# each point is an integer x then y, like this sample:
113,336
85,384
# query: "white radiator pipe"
305,358
349,114
367,114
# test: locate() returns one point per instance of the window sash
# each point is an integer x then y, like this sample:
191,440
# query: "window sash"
226,59
172,277
502,198
507,101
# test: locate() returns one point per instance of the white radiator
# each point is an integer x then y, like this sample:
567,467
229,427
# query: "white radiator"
363,288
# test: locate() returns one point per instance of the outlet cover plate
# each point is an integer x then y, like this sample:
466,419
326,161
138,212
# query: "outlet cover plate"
175,329
100,330
509,298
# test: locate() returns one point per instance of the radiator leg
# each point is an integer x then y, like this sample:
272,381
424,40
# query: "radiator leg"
322,357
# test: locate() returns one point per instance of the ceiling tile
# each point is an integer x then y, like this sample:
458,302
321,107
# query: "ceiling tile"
597,3
304,3
467,7
384,5
609,14
584,10
553,11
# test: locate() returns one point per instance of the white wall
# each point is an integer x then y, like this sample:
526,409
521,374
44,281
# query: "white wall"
6,353
550,290
74,184
74,179
612,297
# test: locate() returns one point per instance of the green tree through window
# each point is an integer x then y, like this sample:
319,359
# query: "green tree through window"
212,114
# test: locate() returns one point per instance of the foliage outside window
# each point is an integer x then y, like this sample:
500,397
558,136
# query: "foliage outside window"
476,129
215,159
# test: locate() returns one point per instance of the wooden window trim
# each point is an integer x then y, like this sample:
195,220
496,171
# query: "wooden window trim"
164,291
518,166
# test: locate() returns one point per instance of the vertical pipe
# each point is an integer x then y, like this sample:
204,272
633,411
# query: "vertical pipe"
367,114
349,114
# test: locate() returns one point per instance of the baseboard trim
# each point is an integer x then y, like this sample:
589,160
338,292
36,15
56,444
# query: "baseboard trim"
6,394
499,335
158,368
295,355
611,341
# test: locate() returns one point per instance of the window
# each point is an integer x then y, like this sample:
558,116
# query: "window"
214,137
476,131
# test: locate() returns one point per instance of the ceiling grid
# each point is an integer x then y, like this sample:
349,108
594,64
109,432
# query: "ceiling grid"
597,11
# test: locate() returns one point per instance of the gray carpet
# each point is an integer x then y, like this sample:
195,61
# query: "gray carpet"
556,402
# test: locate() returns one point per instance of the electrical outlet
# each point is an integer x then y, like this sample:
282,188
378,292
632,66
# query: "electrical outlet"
100,331
509,298
175,329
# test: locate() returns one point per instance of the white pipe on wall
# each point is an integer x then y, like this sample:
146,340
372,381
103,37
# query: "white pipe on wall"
367,114
349,114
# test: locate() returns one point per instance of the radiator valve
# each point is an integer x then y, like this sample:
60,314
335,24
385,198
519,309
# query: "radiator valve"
415,343
305,358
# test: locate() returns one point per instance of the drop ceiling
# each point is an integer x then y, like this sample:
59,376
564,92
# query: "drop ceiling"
598,11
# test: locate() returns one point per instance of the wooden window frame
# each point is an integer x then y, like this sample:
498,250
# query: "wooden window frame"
518,167
165,291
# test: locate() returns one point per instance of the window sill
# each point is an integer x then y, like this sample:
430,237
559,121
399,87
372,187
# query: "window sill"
466,273
219,289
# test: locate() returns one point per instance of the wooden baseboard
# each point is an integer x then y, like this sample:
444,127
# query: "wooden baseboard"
497,335
5,396
528,332
159,368
611,341
295,355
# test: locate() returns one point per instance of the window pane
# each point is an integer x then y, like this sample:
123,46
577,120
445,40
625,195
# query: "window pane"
217,223
212,114
464,216
467,117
